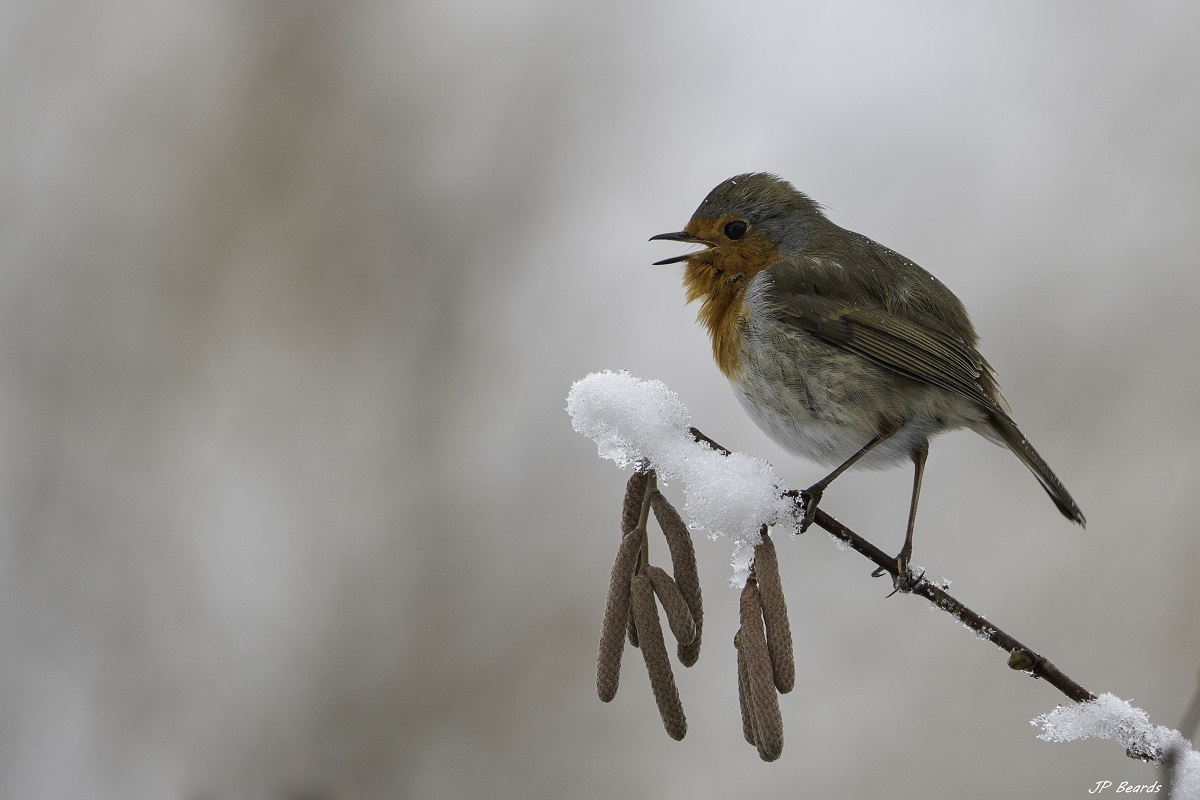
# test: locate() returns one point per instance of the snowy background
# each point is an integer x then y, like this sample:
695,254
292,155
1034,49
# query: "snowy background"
292,298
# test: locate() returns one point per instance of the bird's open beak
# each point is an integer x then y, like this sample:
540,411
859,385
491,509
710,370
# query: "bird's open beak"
678,236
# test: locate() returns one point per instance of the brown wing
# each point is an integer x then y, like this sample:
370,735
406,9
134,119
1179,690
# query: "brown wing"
919,347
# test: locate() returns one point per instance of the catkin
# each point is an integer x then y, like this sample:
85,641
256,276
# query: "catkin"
631,515
616,614
768,722
775,616
679,616
744,691
631,630
654,651
635,493
683,564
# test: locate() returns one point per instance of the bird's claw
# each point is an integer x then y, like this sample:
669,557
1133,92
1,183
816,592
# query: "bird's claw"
808,501
904,580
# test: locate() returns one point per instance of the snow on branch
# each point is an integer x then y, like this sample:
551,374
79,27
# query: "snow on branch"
633,421
1110,717
643,423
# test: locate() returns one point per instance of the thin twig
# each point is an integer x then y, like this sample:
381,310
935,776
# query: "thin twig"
700,437
1021,656
635,498
1026,659
648,488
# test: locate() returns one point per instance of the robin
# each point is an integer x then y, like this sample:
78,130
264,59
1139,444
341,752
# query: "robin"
841,350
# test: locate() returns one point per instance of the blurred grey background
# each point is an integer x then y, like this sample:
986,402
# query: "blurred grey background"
292,298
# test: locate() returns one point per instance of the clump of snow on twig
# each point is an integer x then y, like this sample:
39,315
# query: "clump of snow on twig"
1110,717
634,421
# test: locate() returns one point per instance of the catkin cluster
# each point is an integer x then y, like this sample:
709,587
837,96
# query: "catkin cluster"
631,611
765,663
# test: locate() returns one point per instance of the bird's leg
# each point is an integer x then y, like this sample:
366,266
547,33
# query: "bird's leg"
919,456
905,580
812,495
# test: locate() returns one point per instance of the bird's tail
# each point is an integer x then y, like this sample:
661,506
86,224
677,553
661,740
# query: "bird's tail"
1010,435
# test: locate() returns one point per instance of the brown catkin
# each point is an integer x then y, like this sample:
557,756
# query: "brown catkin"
631,630
775,616
679,616
616,614
654,651
768,722
683,564
631,515
744,692
635,493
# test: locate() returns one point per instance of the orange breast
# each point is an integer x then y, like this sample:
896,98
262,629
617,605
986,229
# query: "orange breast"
723,312
718,277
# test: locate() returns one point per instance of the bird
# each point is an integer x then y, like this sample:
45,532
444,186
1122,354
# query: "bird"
840,349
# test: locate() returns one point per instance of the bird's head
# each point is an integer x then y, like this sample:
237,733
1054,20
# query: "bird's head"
745,224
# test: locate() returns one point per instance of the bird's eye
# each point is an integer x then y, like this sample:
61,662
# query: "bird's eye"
735,229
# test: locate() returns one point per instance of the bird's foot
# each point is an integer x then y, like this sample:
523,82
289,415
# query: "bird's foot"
905,580
808,501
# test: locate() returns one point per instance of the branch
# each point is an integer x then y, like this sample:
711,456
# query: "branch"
644,424
1020,657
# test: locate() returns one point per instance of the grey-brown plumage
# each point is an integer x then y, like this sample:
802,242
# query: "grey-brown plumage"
841,349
